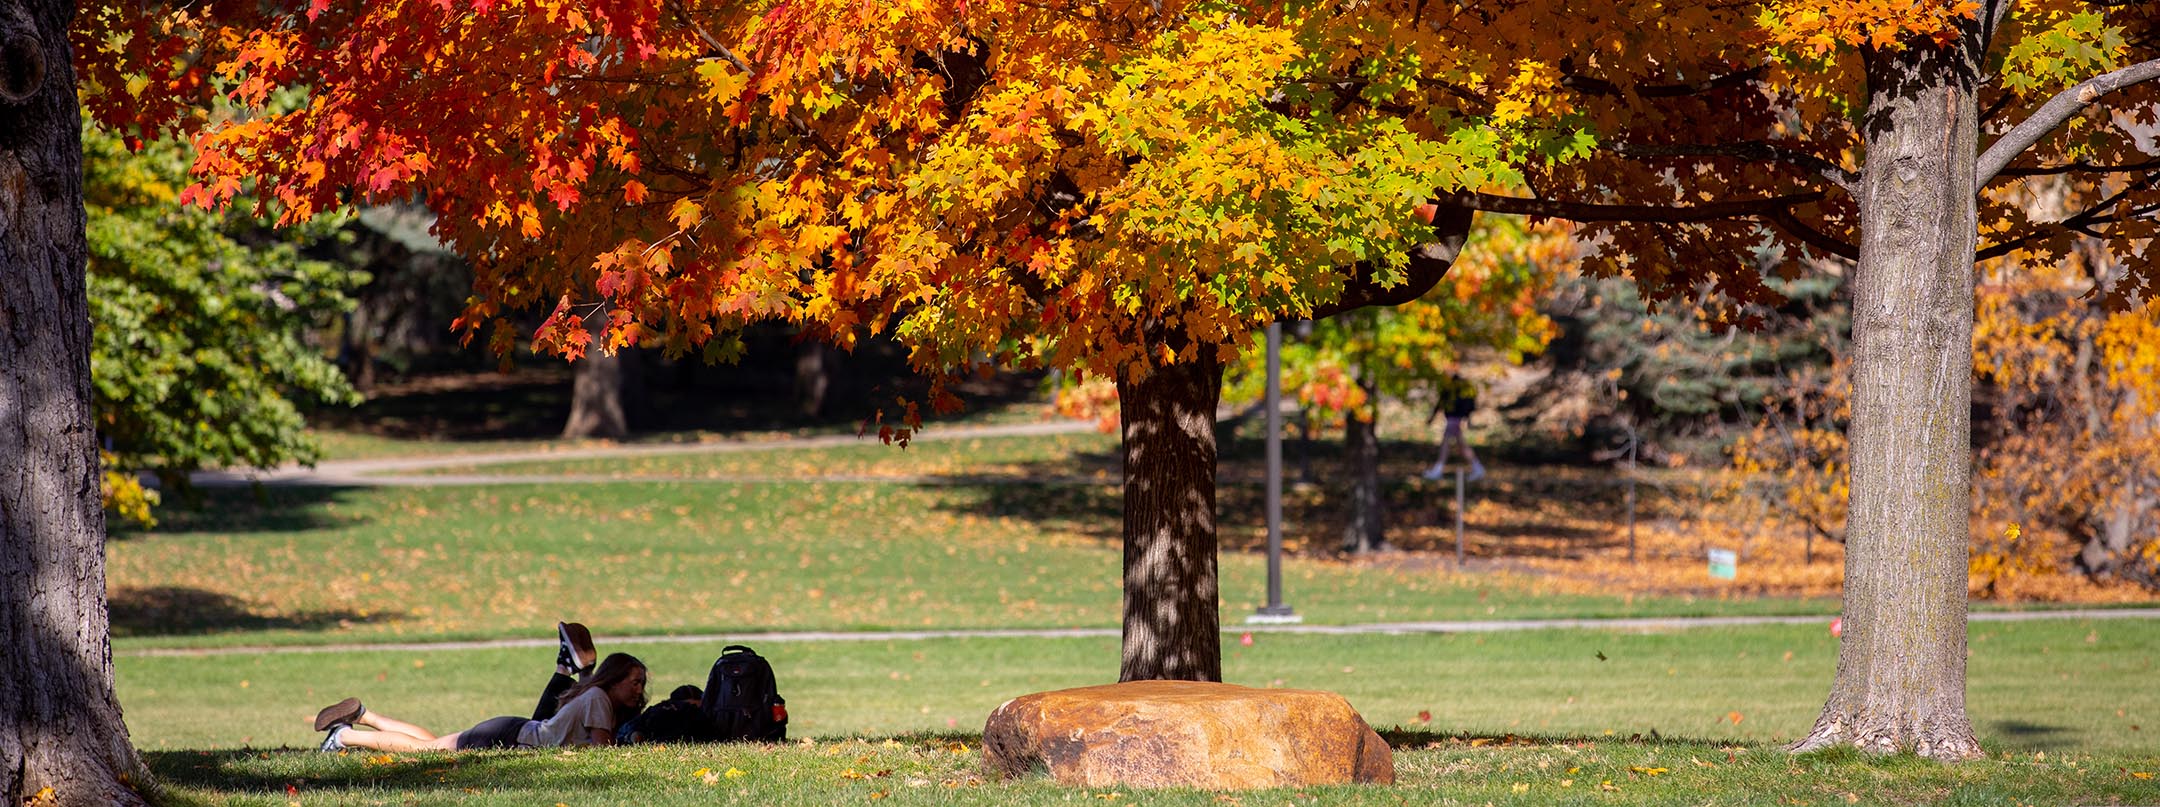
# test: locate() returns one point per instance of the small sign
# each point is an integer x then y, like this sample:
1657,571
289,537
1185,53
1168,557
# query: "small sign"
1724,564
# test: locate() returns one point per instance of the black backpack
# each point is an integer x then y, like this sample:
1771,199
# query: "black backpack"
741,700
670,721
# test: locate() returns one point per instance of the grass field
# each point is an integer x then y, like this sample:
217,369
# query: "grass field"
399,564
2066,691
952,534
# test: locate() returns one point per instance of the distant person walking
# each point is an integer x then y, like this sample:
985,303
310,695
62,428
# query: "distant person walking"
1457,399
572,712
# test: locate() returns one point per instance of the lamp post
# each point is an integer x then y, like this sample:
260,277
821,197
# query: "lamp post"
1274,612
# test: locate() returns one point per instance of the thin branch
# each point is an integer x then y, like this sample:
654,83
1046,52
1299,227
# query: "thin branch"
1793,226
1659,214
2080,166
1749,150
2081,223
1598,86
2053,113
710,40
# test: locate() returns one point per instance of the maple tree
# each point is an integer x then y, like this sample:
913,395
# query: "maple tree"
1855,131
1128,189
1125,190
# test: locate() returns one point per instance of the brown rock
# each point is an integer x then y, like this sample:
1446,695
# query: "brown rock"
1185,734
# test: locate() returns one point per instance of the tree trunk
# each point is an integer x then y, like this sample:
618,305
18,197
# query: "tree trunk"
598,404
60,725
1172,614
814,365
1901,664
1367,528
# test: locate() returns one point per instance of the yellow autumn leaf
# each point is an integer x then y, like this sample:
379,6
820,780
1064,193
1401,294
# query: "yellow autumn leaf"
685,214
723,84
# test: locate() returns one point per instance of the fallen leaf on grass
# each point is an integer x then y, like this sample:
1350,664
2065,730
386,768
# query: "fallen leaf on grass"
878,794
1424,716
1647,771
1734,717
707,776
1608,786
2142,774
735,773
850,774
1520,787
381,759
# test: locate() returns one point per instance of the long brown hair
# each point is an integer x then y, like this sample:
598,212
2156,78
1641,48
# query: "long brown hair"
612,670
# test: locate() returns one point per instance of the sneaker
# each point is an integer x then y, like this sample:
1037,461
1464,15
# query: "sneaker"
1477,472
1433,474
575,654
330,742
342,713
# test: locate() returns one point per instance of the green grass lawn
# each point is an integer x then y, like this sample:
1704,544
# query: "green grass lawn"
401,564
2064,707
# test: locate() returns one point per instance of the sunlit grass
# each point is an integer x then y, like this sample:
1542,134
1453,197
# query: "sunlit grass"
2065,719
400,564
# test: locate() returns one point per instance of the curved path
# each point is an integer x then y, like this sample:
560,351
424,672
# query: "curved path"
1645,624
401,471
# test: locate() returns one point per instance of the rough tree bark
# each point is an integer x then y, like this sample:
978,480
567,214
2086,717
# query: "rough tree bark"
1172,618
60,724
1900,679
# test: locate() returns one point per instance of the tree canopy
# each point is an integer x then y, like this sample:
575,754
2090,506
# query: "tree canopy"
1129,188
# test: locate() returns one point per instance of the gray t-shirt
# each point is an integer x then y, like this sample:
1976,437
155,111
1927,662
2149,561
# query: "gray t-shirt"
573,723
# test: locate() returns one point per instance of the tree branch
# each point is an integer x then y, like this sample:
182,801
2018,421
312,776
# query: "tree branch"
1748,150
2053,113
2082,222
1428,264
1793,226
2079,166
1598,86
1656,214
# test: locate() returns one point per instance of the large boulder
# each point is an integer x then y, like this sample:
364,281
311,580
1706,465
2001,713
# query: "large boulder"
1185,734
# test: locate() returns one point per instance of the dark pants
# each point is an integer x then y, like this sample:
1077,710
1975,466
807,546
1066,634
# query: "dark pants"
494,732
551,697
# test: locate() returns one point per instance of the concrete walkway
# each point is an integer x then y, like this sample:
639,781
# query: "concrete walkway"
404,471
1645,624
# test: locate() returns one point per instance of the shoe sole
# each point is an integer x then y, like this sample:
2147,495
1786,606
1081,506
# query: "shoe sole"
581,644
344,711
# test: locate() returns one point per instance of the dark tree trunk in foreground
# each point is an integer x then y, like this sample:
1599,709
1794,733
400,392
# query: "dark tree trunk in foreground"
1366,530
1172,618
599,397
1901,665
60,725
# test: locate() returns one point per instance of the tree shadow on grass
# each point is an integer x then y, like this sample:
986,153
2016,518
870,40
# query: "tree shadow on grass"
259,508
183,611
421,778
1533,512
2034,736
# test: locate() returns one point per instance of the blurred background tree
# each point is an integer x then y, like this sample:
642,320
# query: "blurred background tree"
201,355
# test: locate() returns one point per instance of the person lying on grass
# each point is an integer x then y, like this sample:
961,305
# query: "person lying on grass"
583,712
